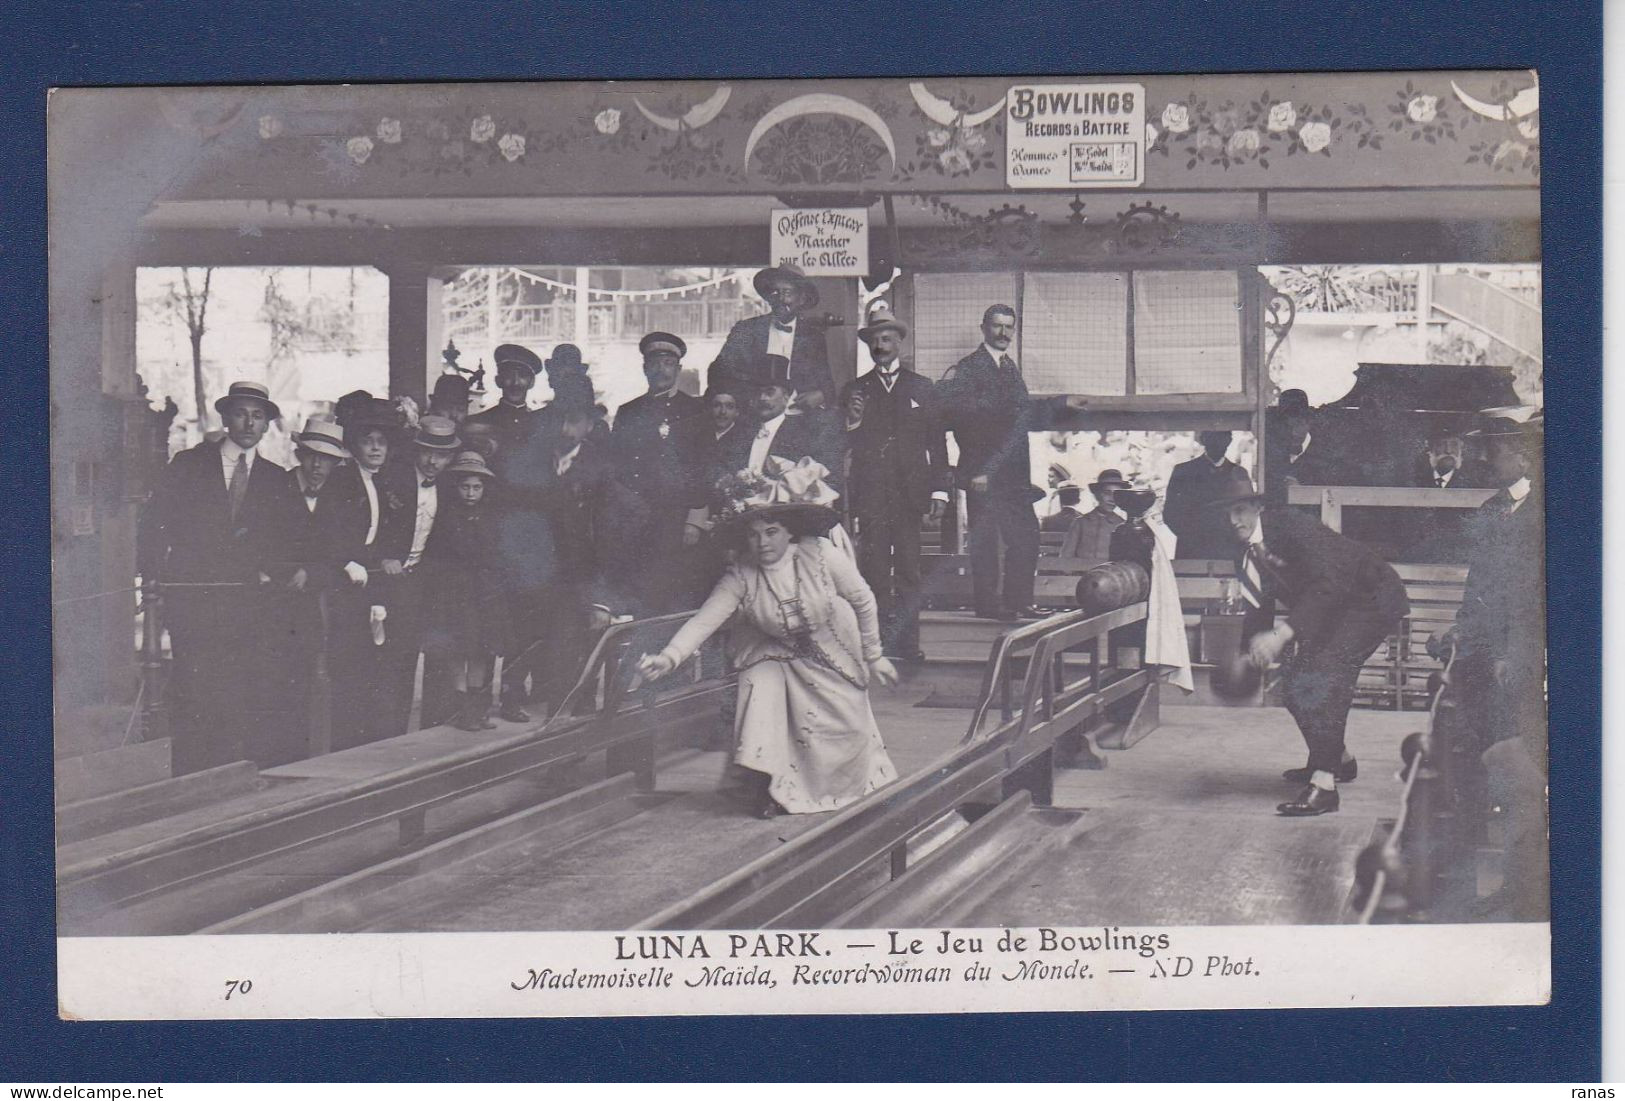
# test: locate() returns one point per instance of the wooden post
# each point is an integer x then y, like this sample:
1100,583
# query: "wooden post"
1331,509
155,717
414,294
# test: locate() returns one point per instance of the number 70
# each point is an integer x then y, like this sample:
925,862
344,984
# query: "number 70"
238,986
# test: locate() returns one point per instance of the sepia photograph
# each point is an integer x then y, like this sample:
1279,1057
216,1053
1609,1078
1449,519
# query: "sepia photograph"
826,545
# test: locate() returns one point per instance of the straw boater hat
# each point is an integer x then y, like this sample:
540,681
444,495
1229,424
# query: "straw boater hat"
795,493
787,271
322,436
880,319
249,391
470,462
437,434
517,357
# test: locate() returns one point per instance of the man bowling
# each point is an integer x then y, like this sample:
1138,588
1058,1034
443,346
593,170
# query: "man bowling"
1342,602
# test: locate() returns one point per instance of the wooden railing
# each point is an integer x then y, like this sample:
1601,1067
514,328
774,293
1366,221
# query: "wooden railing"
1403,875
1332,499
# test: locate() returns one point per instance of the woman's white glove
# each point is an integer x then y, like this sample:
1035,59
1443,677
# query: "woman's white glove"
883,672
655,666
356,572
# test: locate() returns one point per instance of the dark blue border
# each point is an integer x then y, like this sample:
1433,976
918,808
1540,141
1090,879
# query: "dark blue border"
130,42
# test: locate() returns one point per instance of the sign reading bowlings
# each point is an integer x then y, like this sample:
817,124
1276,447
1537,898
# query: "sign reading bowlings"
1075,135
822,240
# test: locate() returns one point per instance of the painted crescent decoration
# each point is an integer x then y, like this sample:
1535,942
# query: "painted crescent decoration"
941,112
821,103
695,117
1525,103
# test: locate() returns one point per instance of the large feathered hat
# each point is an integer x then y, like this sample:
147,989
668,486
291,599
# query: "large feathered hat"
796,493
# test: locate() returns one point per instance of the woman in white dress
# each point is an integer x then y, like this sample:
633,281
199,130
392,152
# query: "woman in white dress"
805,636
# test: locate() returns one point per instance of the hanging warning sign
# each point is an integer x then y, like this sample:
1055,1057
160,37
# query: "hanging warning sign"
822,240
1075,135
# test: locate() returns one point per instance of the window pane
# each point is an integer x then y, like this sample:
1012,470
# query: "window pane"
1074,333
948,315
1187,332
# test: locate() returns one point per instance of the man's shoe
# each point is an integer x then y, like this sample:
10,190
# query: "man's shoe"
1345,773
1029,612
512,712
988,613
1311,801
1005,615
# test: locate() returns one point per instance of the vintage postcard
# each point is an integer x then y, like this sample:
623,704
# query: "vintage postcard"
860,546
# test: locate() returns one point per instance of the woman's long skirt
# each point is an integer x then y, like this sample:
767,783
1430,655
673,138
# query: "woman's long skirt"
812,732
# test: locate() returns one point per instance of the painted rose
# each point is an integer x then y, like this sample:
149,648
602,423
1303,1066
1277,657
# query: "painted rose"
1176,118
1510,154
975,140
389,131
1282,117
1151,134
1208,142
482,129
512,147
1225,122
1315,136
359,149
1243,143
954,161
1422,108
270,127
607,121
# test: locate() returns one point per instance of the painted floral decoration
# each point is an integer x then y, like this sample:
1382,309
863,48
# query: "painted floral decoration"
270,127
511,146
1423,114
359,149
607,121
389,131
1316,137
482,129
1282,117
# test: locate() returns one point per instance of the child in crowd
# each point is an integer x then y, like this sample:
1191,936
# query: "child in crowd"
468,623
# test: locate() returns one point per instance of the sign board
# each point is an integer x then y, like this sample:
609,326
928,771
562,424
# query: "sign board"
822,240
1075,136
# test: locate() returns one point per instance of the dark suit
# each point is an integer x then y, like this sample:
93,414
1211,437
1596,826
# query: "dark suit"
899,458
507,424
1061,519
1503,617
557,536
815,434
1343,601
1440,534
322,534
405,597
987,408
223,686
649,443
1090,536
1203,531
741,365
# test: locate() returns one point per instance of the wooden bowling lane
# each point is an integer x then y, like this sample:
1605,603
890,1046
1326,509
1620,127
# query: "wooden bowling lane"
605,865
1155,867
1182,829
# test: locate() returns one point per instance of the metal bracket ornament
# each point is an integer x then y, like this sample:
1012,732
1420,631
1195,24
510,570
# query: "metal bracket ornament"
1147,227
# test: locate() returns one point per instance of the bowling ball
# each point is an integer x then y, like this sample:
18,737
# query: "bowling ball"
1236,677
